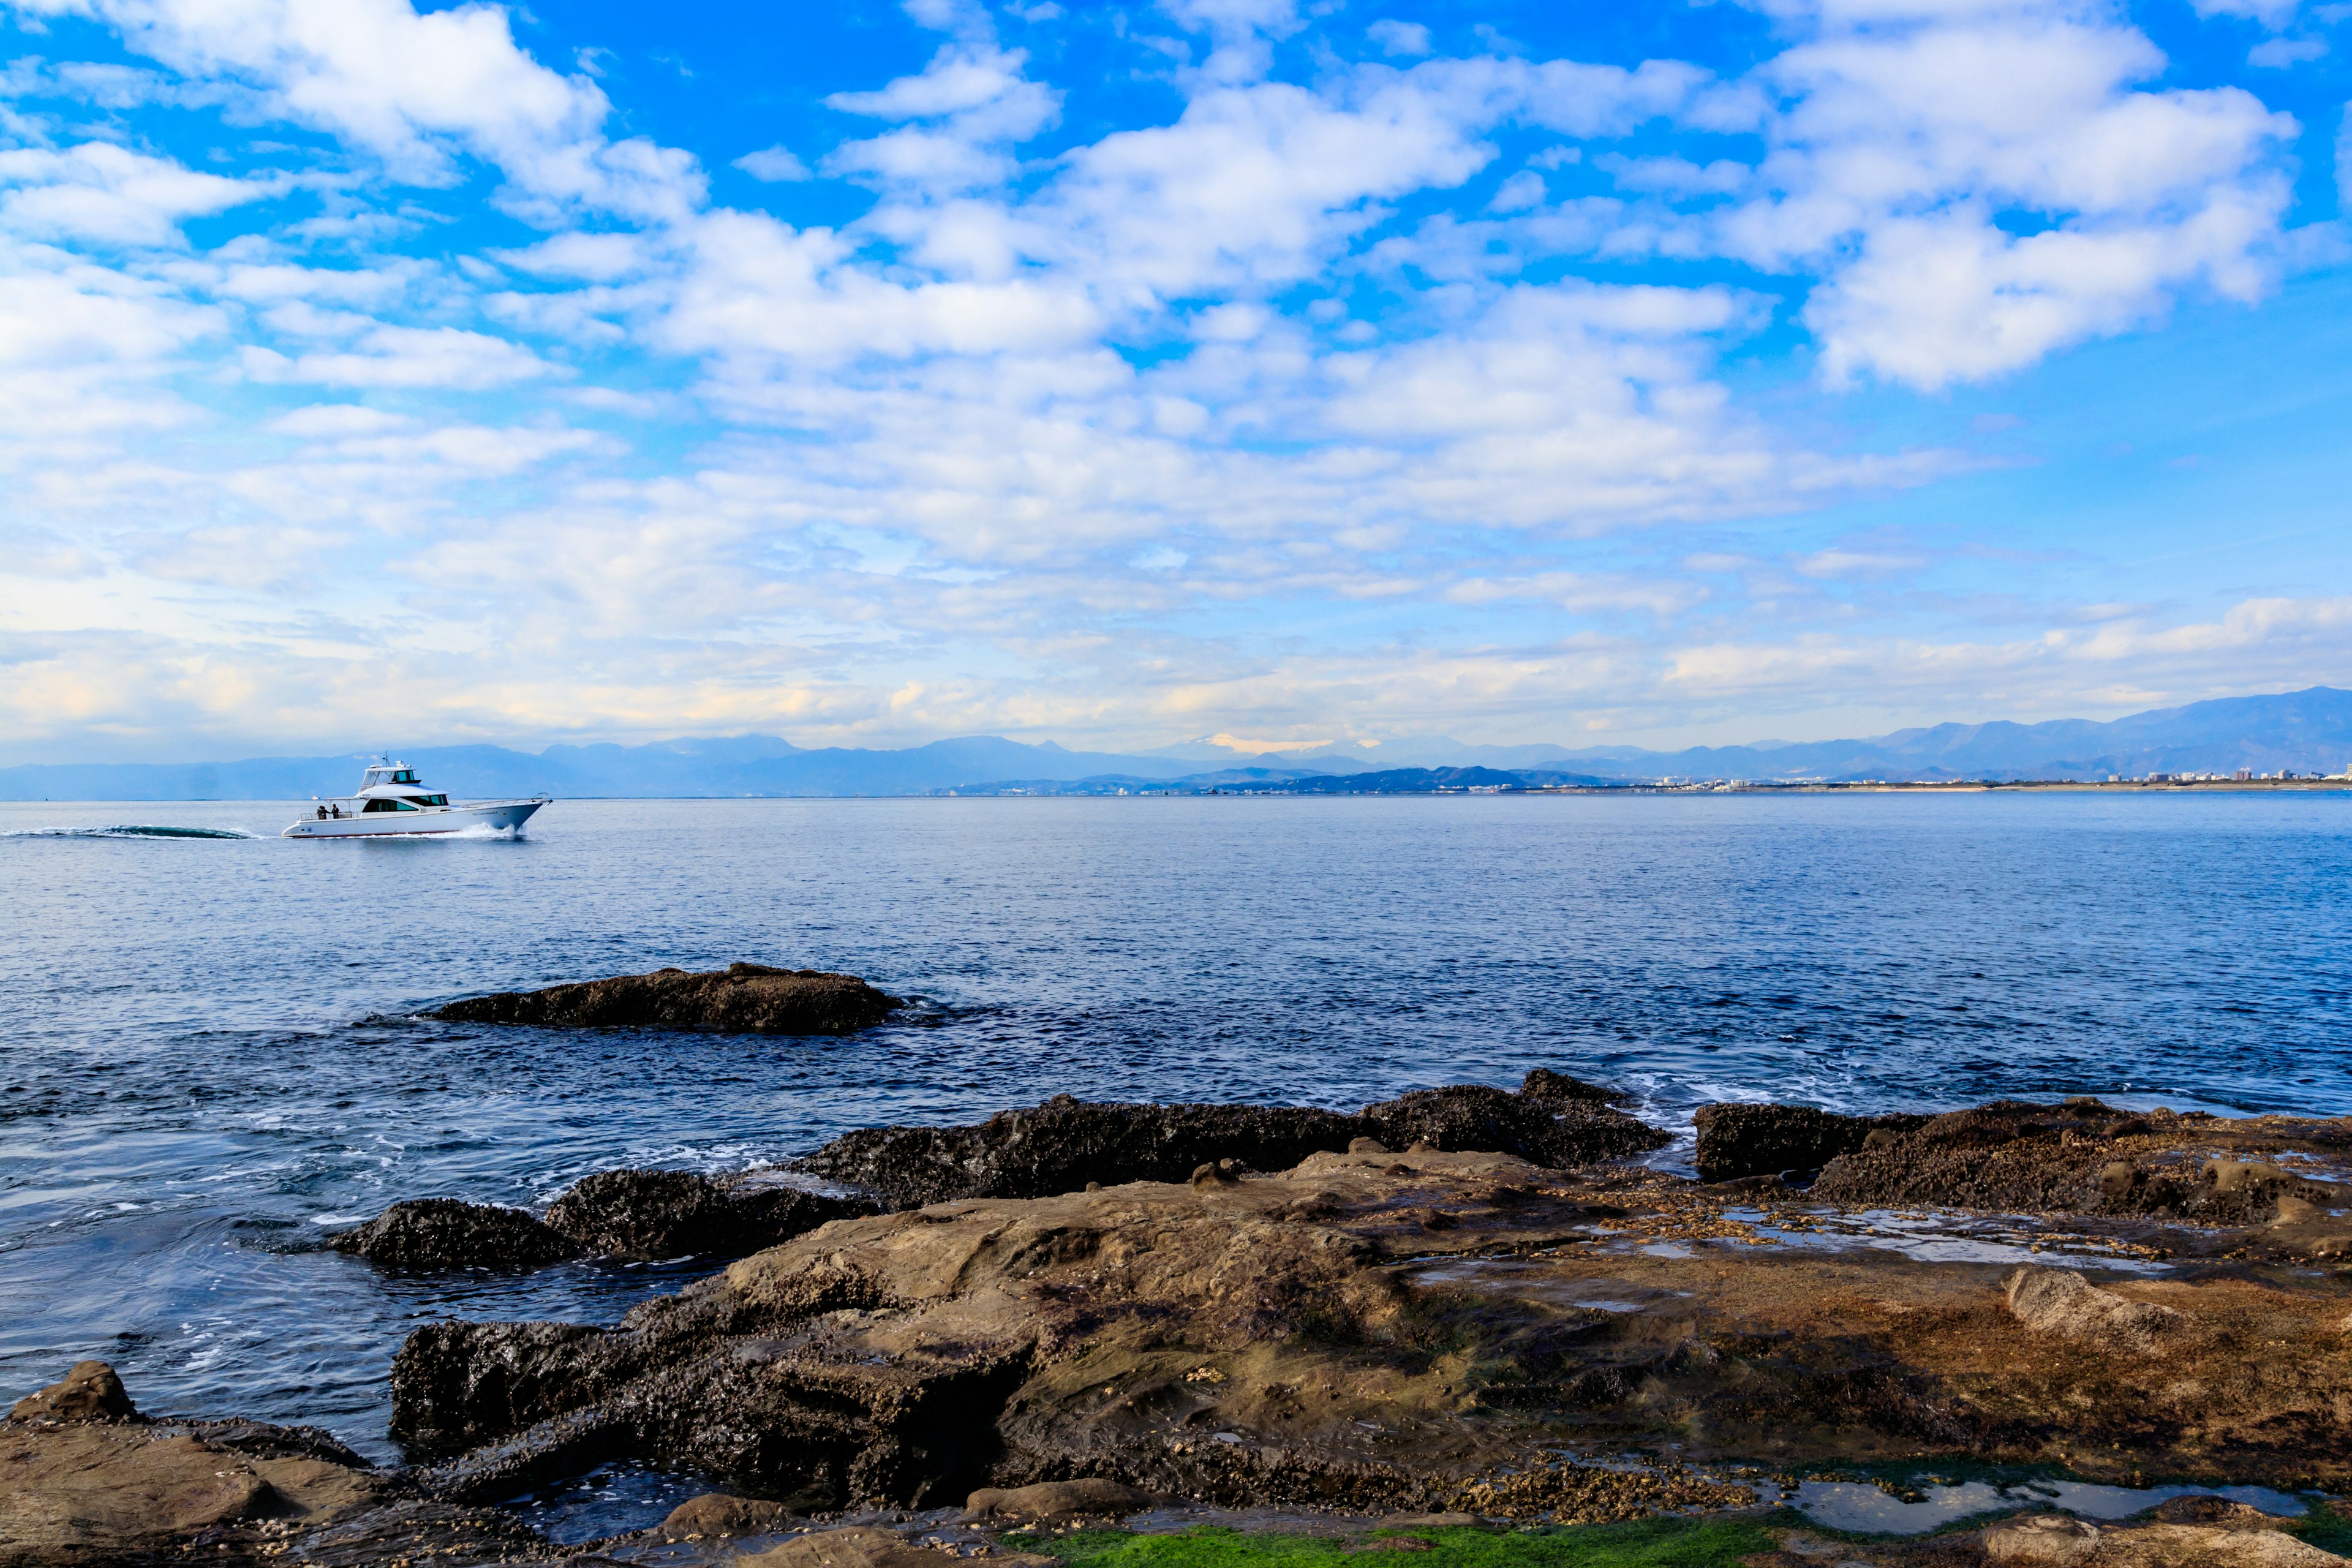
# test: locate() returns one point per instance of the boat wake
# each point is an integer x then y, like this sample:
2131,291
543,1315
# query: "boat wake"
129,830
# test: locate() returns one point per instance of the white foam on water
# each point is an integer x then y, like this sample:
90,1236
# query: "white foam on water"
129,830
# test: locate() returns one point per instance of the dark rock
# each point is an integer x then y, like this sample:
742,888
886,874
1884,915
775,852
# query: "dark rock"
746,999
444,1233
455,1384
88,1391
1559,1090
2080,1157
1737,1140
1063,1144
1493,1121
649,1214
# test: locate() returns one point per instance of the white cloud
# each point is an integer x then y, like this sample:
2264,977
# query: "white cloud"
775,165
2269,12
2279,54
2343,159
408,357
1010,447
109,194
1905,157
411,88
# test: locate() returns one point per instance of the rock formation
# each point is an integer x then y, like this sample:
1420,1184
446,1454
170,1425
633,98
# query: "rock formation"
436,1233
744,999
636,1215
649,1214
1740,1140
2086,1157
1377,1330
1063,1144
1441,1332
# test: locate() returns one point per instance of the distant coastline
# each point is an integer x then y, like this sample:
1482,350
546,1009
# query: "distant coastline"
2306,732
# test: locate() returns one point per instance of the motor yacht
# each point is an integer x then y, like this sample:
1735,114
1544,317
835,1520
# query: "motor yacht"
393,801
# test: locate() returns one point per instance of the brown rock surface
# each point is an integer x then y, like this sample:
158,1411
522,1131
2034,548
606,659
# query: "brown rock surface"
84,1480
744,999
2061,1302
1378,1331
2249,1539
866,1546
1091,1497
718,1514
91,1392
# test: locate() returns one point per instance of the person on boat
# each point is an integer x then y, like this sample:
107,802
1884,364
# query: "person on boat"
322,814
338,811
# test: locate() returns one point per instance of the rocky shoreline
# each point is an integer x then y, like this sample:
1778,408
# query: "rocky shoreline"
1468,1304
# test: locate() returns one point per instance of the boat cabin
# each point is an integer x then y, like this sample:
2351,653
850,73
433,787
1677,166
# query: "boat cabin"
395,787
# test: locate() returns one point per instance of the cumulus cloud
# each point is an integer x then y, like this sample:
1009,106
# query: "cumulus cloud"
1061,421
414,357
1981,188
109,194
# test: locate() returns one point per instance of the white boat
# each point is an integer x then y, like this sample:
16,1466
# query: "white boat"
393,802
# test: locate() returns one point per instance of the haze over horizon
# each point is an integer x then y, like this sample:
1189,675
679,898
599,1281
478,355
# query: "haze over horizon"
1289,375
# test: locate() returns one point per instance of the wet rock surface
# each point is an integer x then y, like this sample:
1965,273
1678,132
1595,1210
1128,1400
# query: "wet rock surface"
1400,1330
638,1216
1386,1331
744,999
2089,1158
1063,1144
646,1214
1736,1141
436,1233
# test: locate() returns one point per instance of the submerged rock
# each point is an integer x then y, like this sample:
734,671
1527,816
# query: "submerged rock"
649,1215
744,998
1736,1141
433,1234
1063,1144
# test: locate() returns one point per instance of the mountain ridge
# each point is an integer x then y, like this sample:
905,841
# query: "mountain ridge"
2309,730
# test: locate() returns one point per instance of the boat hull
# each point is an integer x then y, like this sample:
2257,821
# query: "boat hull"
434,822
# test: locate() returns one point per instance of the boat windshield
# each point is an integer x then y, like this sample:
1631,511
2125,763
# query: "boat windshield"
429,799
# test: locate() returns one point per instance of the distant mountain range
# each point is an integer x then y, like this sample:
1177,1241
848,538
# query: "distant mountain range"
2304,731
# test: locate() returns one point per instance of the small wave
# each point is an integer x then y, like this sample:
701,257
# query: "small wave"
129,830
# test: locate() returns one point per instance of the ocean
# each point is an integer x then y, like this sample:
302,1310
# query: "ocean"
212,1056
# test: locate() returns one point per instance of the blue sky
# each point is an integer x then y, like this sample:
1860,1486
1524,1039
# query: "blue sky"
1283,371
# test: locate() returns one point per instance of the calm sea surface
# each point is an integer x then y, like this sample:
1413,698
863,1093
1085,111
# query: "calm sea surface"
209,1058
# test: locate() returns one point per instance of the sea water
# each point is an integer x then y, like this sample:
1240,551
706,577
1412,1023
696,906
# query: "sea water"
211,1056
